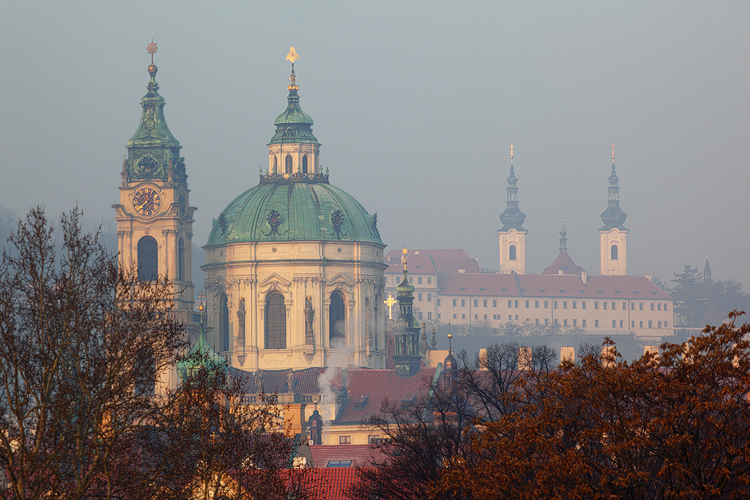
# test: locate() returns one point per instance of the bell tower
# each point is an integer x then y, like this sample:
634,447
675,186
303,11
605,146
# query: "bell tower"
512,235
613,237
154,217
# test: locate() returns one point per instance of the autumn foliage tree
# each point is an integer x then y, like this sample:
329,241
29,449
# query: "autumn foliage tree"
676,425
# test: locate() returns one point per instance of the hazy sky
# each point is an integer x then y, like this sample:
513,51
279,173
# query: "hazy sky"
415,104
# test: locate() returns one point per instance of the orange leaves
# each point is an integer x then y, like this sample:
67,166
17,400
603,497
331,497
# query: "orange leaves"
676,426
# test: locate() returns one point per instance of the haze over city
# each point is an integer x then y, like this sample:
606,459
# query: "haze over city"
415,104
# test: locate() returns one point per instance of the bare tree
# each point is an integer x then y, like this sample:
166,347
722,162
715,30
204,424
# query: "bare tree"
80,346
84,407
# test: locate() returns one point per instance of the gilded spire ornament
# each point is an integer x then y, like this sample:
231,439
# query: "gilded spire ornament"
292,56
151,49
613,152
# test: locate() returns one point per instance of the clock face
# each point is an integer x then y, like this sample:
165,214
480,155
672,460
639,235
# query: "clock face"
146,201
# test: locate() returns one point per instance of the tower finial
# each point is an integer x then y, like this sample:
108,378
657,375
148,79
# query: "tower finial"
613,152
151,49
292,56
404,257
511,154
563,236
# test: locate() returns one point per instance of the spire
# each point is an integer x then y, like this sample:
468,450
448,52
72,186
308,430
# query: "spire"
153,130
563,263
449,365
707,272
293,125
153,152
563,236
613,216
406,328
512,217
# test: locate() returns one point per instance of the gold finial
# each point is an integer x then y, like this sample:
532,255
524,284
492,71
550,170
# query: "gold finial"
613,152
151,49
511,153
292,55
404,254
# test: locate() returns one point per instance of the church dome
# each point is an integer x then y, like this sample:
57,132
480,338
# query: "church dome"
294,211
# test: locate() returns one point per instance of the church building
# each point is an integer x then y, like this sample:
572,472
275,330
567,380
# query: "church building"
294,265
564,298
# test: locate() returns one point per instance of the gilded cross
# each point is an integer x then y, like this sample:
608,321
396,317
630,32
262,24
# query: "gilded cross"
404,254
511,152
613,151
390,302
151,49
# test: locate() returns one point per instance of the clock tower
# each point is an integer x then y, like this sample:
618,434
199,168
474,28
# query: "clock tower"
154,216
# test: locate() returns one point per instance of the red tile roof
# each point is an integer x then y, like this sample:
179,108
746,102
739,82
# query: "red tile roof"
333,484
416,264
563,263
551,285
377,386
359,454
443,260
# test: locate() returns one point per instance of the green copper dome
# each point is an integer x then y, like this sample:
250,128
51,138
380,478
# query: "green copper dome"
201,357
293,125
294,211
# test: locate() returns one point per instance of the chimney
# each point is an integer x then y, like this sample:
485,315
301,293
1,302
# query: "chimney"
483,359
608,356
568,354
524,358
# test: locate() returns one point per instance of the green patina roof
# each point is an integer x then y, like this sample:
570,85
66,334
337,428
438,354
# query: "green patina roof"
293,125
201,357
153,130
294,211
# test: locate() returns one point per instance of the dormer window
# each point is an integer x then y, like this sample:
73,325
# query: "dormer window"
304,164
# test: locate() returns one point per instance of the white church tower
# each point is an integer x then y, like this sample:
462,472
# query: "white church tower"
512,235
613,237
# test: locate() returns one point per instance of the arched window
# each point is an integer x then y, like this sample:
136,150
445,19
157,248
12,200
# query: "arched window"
304,164
275,165
181,260
148,259
512,252
288,164
223,323
613,252
275,321
336,321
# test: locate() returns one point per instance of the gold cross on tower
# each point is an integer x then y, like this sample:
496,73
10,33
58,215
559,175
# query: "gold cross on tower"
390,302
